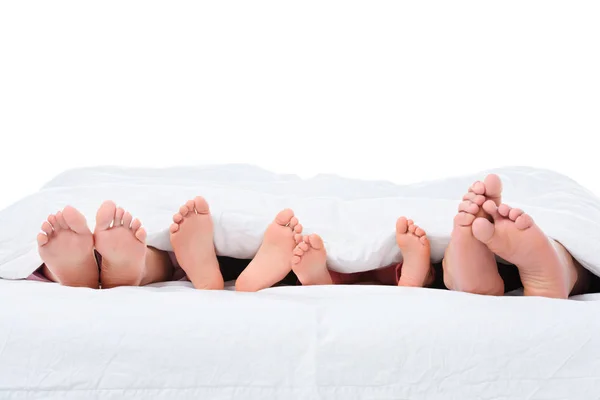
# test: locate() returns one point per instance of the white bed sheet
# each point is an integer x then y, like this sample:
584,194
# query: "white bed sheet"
331,342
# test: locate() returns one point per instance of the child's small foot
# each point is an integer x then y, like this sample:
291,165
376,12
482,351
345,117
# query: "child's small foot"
192,241
416,253
546,267
121,241
309,262
469,266
273,261
67,249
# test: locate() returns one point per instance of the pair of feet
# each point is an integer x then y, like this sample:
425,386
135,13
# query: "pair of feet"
67,248
485,228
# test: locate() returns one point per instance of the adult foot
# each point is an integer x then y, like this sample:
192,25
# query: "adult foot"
66,247
416,254
309,262
121,242
469,265
273,261
192,240
546,267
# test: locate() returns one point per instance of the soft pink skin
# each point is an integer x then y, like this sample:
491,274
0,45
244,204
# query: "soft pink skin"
273,261
469,265
309,261
545,266
192,240
120,240
66,247
416,254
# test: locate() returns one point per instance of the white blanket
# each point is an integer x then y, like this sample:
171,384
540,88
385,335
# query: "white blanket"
355,218
287,343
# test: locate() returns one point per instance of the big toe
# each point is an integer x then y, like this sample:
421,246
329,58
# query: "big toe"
402,225
105,215
483,230
201,205
315,241
493,188
284,217
75,220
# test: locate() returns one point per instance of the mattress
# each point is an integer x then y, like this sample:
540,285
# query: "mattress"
169,341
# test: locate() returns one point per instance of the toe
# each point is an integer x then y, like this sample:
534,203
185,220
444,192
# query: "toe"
42,239
297,238
296,260
419,232
174,228
190,205
52,220
60,219
201,205
298,251
412,228
469,207
298,228
284,217
524,221
504,210
105,215
491,208
118,221
478,188
303,245
424,240
483,230
493,187
293,223
464,219
140,234
183,210
136,224
402,225
315,241
515,213
177,218
75,220
47,228
127,218
410,222
479,200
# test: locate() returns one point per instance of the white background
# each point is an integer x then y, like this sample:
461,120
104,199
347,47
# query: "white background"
369,89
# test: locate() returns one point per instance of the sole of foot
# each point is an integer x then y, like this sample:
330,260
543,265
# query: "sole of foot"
469,265
66,247
545,266
309,262
192,236
416,254
121,242
273,261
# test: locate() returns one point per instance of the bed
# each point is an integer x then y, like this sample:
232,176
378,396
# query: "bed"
168,340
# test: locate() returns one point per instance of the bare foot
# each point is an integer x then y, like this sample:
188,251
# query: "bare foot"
416,254
121,241
469,265
273,261
192,241
309,262
546,267
67,249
